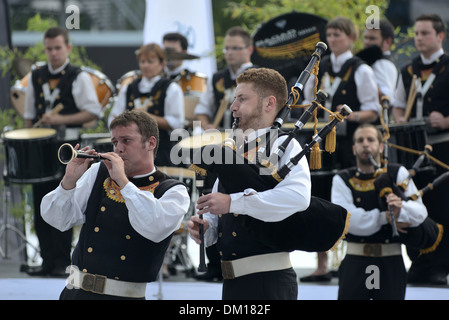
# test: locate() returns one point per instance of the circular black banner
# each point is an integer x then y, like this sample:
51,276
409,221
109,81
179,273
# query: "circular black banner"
286,43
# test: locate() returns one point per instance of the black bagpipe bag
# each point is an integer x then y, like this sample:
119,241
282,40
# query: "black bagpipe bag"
319,228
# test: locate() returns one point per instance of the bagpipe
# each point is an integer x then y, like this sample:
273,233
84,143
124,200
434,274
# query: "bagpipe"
425,237
323,224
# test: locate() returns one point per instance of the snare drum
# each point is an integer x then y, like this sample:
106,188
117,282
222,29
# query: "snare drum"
192,82
128,78
18,94
31,155
103,86
409,135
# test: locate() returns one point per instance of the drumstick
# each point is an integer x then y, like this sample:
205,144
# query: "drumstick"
55,110
411,98
221,110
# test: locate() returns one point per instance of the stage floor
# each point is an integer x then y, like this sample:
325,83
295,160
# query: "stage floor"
49,289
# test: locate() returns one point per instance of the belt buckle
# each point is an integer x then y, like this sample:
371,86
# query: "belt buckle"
227,270
372,250
94,283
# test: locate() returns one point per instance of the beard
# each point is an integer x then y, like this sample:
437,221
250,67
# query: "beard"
252,120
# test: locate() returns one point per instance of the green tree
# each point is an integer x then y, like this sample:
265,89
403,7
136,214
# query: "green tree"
255,12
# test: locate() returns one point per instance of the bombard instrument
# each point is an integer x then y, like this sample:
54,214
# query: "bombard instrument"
66,153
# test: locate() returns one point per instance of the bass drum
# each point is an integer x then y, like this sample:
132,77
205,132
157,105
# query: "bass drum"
31,155
193,85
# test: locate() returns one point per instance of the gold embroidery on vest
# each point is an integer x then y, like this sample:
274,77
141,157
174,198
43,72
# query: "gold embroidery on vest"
362,185
113,190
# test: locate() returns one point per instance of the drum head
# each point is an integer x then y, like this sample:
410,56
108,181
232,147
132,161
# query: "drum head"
29,134
207,138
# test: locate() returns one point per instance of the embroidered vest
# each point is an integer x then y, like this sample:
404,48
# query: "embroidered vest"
365,196
63,81
437,97
108,244
154,102
346,93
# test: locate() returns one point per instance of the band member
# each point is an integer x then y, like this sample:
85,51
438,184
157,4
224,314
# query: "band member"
237,50
57,82
178,43
347,80
371,227
157,95
377,44
128,210
259,272
428,76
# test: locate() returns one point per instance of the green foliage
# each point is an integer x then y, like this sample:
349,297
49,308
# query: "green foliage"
36,52
254,12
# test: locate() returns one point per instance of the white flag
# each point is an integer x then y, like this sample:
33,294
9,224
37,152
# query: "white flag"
193,19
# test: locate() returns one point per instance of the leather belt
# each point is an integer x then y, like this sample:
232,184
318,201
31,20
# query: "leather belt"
102,285
375,250
232,269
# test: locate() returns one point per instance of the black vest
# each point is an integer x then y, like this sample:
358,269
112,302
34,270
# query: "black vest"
234,239
365,196
108,244
158,94
437,97
66,77
346,92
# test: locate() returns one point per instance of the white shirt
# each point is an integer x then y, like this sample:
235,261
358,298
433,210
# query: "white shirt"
366,223
289,196
364,79
173,103
207,101
386,75
154,219
83,92
400,97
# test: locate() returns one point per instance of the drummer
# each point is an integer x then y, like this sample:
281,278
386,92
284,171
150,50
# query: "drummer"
57,82
157,95
238,47
433,97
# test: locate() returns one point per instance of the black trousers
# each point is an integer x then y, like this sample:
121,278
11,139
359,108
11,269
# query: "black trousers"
55,246
356,271
272,285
